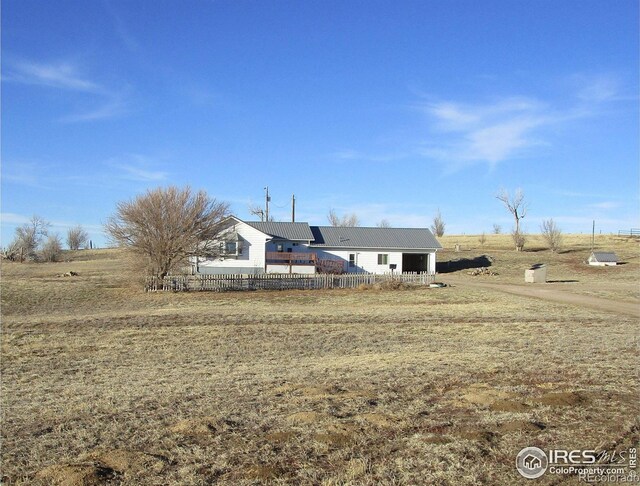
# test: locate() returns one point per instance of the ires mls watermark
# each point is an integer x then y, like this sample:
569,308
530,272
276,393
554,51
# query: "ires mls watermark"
590,466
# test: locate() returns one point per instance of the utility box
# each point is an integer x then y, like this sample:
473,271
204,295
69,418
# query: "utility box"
536,274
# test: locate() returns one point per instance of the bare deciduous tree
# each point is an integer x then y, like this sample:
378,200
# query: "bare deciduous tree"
497,229
51,249
77,238
552,234
166,226
12,251
259,211
383,223
518,208
438,224
28,238
482,239
346,220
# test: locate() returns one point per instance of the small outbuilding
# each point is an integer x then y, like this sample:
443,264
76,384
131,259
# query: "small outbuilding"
603,258
536,274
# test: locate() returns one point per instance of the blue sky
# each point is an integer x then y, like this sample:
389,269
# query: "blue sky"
389,109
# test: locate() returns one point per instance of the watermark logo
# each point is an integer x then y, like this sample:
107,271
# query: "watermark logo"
590,466
531,462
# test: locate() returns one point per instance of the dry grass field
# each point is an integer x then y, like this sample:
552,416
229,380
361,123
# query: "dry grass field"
105,384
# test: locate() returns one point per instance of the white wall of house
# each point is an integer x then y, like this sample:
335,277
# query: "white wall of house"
251,260
602,264
367,261
294,246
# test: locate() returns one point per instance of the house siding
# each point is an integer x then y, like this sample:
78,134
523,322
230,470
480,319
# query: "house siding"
294,246
252,259
366,260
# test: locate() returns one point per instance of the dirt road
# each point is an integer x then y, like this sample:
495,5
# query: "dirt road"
551,293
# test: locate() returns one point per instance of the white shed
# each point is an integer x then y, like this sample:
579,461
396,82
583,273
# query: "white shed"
603,258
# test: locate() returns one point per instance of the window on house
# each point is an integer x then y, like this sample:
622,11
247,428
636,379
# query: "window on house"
280,247
229,247
383,258
352,260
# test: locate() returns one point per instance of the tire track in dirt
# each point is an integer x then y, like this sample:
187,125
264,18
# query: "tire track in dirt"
554,295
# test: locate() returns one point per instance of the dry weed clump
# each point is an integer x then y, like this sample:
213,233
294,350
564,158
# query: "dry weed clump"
391,284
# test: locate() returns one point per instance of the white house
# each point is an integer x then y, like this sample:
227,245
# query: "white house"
603,258
279,247
377,250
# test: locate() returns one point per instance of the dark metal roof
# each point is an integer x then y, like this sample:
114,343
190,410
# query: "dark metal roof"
284,231
605,256
361,237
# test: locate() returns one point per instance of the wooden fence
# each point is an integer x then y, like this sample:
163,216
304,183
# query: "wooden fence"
273,281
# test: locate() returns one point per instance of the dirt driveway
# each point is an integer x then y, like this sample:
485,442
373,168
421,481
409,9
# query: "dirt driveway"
551,293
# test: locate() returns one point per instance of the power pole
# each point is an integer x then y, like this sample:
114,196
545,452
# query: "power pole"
293,208
267,199
593,235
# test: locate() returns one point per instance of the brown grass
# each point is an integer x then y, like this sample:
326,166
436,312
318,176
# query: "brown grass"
567,268
102,382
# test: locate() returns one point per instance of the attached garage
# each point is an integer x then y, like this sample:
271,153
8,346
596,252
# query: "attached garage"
377,250
415,262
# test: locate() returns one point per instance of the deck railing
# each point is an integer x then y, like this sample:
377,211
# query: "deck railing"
291,258
273,281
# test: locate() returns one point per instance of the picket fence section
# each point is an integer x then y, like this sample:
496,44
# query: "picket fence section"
273,281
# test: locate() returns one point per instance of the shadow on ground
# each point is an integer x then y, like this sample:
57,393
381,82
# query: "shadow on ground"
463,264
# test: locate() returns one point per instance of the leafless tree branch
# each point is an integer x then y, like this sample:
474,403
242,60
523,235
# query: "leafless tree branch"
345,220
518,208
166,226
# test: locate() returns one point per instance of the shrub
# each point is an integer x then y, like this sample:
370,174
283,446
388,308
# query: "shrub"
51,249
519,239
551,234
77,238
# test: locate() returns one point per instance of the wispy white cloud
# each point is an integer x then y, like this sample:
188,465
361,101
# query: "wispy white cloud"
598,88
121,30
199,95
491,133
25,173
350,154
113,107
605,205
68,76
466,134
139,168
63,75
13,218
